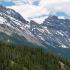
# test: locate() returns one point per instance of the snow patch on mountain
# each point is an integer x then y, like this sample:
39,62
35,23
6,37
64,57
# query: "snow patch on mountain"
2,20
64,46
60,33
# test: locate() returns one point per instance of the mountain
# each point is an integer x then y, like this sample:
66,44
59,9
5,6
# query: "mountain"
52,35
12,23
58,30
53,31
29,58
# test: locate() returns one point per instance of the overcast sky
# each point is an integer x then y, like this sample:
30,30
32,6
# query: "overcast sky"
38,10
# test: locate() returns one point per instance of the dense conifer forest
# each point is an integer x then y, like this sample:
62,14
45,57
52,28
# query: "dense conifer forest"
29,58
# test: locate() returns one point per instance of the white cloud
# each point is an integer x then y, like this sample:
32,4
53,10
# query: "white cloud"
39,20
27,9
55,5
7,0
18,2
61,17
30,10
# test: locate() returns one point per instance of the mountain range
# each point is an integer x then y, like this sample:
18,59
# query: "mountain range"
52,35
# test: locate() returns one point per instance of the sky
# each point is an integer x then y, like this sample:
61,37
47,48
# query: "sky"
39,10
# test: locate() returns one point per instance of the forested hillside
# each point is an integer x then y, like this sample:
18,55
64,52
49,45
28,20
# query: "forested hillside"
29,58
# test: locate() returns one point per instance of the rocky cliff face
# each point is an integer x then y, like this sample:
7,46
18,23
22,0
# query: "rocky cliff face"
12,22
53,31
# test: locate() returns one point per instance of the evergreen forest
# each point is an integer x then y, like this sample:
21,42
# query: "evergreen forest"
14,57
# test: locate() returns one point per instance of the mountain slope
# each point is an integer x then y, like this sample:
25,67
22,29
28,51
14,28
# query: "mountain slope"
58,31
14,39
53,31
12,22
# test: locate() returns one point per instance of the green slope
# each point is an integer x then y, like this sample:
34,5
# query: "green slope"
29,58
15,39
